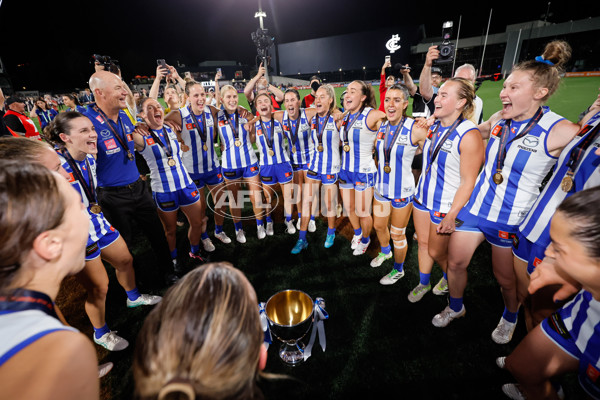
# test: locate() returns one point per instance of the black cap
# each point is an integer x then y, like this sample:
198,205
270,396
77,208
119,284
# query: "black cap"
14,99
436,70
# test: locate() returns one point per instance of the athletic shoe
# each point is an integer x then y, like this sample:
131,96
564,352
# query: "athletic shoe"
361,248
240,236
301,244
298,224
339,209
504,331
290,228
270,230
381,257
415,236
442,319
312,226
501,362
329,241
178,223
512,391
392,277
223,237
111,341
144,300
355,241
199,258
418,292
208,245
104,369
260,232
441,287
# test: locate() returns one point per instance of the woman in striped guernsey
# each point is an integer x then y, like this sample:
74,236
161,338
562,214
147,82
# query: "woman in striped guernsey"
568,340
525,140
397,142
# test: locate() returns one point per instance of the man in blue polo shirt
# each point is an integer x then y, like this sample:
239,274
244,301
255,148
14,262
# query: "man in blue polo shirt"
123,196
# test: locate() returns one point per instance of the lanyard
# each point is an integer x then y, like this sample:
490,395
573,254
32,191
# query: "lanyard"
202,132
437,145
294,131
321,128
233,128
271,129
347,126
23,299
167,149
575,157
387,145
89,189
121,139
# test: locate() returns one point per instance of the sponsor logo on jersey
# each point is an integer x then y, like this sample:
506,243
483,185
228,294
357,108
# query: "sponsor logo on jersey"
194,193
529,142
288,174
129,137
266,178
110,144
99,119
149,141
380,135
189,126
536,262
105,133
447,146
71,177
222,123
259,132
592,373
254,168
503,235
496,131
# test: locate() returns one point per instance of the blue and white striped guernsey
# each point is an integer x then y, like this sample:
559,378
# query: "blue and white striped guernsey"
302,143
436,189
233,156
328,160
269,139
526,164
165,178
197,160
356,134
536,226
399,183
99,226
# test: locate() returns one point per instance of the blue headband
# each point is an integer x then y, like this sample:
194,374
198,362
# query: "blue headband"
541,59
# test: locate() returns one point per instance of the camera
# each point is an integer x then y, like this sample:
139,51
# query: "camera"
108,63
447,47
262,41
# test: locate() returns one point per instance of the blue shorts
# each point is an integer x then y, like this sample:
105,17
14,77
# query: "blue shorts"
419,206
93,249
357,181
171,201
326,179
466,222
499,235
276,173
396,203
208,178
236,173
300,167
527,251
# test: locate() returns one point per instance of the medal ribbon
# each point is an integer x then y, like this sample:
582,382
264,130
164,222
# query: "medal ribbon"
347,126
387,146
321,128
504,137
233,128
203,133
576,153
319,315
121,139
270,139
437,145
166,148
294,132
89,189
23,299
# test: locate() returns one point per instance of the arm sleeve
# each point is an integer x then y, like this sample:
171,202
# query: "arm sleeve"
13,122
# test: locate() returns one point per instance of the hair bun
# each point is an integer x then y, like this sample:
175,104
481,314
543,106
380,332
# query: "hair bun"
558,52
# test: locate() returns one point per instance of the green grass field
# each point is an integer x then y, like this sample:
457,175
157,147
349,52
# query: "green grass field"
379,345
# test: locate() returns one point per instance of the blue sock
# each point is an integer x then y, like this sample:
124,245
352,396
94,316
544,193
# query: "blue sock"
204,235
364,240
218,229
133,294
510,316
259,222
195,248
288,217
303,235
269,219
358,232
331,231
424,278
398,266
312,217
98,333
445,276
173,254
299,216
456,303
386,249
238,225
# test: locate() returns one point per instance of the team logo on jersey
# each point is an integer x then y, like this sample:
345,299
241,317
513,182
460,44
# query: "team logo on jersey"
149,141
110,144
496,131
105,133
189,126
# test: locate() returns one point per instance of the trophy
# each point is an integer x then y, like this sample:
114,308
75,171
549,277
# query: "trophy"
290,315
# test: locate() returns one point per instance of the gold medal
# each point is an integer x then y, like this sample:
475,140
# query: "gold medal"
347,148
387,169
238,143
205,147
566,184
130,156
271,152
95,208
293,149
171,162
320,148
498,178
185,148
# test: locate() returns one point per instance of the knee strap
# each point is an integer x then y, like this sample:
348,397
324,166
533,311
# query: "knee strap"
398,237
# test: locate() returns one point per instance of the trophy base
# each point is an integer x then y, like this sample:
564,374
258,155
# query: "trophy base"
292,354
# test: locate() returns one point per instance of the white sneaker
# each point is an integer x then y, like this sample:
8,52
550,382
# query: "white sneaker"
441,287
512,391
104,369
260,231
208,245
298,224
504,331
392,277
270,230
240,236
223,237
290,228
355,241
111,341
144,300
442,319
377,261
501,362
339,209
361,248
312,226
418,292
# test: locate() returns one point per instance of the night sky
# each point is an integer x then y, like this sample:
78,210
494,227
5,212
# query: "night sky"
48,45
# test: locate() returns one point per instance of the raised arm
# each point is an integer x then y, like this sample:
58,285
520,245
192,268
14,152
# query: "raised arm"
160,74
382,87
249,89
218,76
408,81
425,82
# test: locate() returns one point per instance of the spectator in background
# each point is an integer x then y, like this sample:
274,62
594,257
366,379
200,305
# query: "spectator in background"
385,83
17,122
72,102
262,86
3,129
467,71
309,99
429,82
87,97
44,112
